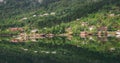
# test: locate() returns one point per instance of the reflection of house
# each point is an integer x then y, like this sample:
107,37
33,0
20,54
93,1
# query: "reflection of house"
33,40
69,30
91,38
50,35
118,32
16,29
16,40
102,30
103,39
117,36
83,34
69,37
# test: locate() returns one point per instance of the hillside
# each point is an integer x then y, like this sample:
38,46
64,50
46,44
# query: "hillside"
10,8
56,15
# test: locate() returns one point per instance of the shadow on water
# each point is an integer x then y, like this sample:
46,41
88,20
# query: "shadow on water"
61,50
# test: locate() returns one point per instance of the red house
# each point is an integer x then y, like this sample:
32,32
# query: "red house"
16,29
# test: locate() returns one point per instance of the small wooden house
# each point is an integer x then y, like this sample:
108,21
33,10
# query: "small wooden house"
16,29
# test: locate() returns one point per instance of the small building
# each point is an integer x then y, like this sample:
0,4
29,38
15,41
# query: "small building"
52,13
34,31
25,18
46,14
111,15
34,15
77,19
16,29
112,49
91,28
84,24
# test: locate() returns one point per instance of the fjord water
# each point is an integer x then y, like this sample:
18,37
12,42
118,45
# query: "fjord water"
75,49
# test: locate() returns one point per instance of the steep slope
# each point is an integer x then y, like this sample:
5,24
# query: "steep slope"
57,12
108,16
10,8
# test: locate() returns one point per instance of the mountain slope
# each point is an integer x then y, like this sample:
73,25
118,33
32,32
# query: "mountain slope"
10,8
64,12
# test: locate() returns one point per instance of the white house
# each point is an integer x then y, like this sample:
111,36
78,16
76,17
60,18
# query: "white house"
34,31
52,13
111,15
77,19
46,14
34,15
91,28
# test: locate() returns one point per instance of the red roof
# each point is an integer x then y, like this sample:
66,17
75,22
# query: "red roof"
16,29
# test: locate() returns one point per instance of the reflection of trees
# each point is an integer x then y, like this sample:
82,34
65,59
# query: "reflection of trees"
76,49
63,53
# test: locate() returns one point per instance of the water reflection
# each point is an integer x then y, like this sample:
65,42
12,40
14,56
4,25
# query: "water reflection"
48,53
60,49
23,37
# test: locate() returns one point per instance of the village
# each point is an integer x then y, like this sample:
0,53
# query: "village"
34,34
86,29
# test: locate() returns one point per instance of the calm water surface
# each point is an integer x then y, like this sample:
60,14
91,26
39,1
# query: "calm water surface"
71,49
